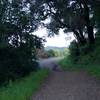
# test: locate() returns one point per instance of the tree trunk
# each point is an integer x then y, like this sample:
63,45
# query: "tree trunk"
80,38
88,25
90,34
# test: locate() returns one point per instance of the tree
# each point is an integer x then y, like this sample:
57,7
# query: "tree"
97,14
16,19
75,16
51,53
17,44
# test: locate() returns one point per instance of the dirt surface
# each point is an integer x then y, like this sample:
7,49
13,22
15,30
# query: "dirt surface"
50,63
68,85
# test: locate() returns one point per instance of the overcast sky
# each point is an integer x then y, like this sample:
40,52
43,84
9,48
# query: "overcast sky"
61,40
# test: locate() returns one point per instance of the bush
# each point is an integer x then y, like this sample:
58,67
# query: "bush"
51,53
74,51
15,63
82,53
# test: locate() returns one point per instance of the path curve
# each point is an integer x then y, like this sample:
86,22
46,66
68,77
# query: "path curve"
51,63
69,85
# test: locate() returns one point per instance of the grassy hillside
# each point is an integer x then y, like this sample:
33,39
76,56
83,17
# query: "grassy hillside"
54,48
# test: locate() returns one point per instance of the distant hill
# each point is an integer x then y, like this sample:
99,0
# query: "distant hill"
54,48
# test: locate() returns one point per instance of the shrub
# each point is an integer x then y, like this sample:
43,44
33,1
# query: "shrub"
74,51
50,53
15,63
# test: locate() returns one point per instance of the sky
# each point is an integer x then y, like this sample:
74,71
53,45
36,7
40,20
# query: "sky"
61,40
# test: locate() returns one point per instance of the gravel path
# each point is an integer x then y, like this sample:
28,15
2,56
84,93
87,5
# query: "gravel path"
50,63
69,85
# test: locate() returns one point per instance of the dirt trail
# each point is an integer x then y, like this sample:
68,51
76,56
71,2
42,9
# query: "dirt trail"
50,63
69,85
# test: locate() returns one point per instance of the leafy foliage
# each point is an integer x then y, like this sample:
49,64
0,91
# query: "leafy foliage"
70,15
17,44
51,53
19,18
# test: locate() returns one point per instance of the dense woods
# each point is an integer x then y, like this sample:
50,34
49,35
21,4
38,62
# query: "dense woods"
17,44
19,18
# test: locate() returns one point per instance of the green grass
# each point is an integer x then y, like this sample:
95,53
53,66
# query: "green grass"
93,69
67,64
24,88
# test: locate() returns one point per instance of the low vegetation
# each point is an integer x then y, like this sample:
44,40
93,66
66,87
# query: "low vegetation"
93,69
80,59
57,52
24,88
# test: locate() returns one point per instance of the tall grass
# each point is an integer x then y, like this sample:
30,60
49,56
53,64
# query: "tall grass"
67,64
93,69
24,88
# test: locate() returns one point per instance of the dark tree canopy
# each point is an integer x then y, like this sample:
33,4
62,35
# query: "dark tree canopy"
17,44
75,16
16,19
